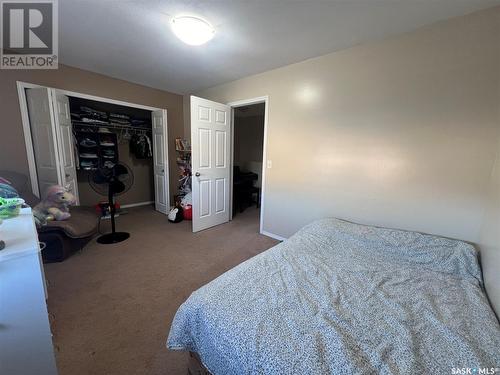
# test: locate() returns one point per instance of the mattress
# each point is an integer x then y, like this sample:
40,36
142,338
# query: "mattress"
344,298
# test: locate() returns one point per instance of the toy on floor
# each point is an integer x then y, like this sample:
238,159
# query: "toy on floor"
7,190
10,207
55,206
175,215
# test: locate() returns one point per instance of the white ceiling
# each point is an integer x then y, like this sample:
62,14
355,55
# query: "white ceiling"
132,40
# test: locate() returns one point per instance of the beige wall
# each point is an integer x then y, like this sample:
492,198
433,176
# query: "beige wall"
489,241
400,133
12,148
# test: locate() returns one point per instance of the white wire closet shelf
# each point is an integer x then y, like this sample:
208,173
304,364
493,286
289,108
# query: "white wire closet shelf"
96,126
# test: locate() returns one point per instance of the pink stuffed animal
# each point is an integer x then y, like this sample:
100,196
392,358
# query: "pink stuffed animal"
56,204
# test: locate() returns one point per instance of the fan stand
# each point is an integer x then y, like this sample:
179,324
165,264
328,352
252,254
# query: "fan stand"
114,236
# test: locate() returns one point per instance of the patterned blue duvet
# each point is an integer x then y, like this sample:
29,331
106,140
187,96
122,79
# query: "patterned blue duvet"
342,298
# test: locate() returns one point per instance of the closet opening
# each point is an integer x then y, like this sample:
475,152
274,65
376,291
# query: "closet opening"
71,138
107,134
248,148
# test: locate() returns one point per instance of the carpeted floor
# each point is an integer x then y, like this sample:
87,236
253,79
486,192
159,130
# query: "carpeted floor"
111,305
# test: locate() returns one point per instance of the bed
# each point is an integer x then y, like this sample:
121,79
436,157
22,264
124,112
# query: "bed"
344,298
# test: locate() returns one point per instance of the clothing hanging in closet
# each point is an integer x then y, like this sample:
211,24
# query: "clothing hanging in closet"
140,146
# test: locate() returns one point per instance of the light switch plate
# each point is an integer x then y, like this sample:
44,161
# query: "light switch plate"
269,164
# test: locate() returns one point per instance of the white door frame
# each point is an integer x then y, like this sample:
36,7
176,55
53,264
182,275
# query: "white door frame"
243,103
21,91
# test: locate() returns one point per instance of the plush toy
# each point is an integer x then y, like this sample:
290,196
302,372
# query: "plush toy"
55,206
175,215
7,190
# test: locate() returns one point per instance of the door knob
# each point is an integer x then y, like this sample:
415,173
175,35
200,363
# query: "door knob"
67,175
197,174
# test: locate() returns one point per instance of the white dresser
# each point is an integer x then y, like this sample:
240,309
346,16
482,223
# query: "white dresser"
25,337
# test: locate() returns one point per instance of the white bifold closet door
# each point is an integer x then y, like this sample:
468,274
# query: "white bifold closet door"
52,139
210,137
66,142
160,160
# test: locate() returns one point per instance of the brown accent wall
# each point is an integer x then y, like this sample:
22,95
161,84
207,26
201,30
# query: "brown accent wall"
12,146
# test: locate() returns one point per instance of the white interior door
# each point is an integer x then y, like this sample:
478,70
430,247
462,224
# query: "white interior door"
44,139
66,146
160,160
210,136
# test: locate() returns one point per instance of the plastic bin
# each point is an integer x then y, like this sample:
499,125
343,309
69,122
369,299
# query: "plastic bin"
188,212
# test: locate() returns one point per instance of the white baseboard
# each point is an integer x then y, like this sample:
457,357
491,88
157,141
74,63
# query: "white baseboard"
272,235
137,204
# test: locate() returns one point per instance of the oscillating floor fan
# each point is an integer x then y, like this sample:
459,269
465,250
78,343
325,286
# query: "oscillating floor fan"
112,181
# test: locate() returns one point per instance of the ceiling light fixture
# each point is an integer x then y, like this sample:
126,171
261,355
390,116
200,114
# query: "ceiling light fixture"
192,30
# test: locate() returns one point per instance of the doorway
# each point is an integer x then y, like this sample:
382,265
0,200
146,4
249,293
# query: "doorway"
262,104
248,149
106,134
212,148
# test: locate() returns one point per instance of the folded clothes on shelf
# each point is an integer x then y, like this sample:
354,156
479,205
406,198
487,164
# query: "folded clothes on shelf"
105,138
87,164
119,119
121,116
88,155
93,117
93,113
136,122
87,142
120,122
108,164
93,121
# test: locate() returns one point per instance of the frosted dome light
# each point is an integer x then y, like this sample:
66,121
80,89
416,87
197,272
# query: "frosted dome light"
192,30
